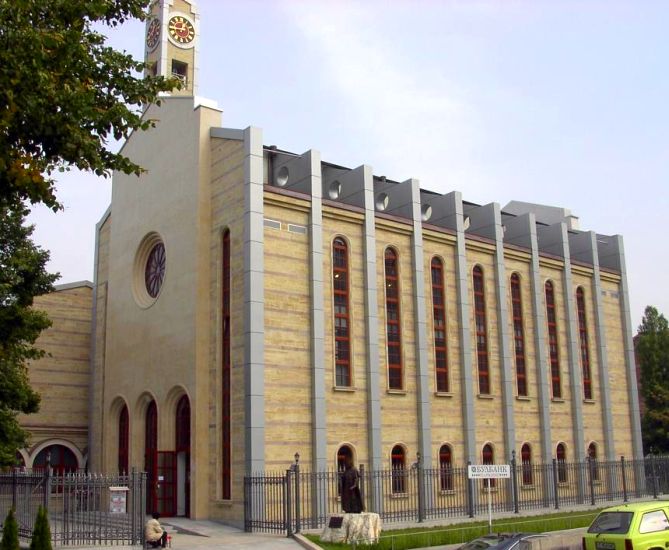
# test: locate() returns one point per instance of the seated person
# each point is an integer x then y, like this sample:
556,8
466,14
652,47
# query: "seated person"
154,534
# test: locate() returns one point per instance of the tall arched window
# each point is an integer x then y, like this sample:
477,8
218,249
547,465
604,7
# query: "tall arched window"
488,457
583,334
518,334
561,456
439,318
340,278
553,340
398,463
61,459
526,463
481,331
123,440
151,456
446,468
226,458
393,330
592,455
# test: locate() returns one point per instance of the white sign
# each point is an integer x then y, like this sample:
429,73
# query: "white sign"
488,471
118,497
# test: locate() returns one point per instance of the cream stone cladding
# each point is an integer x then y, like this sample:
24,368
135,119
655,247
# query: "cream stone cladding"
560,408
99,336
287,333
593,423
447,419
618,383
161,352
487,408
227,212
62,377
526,409
346,419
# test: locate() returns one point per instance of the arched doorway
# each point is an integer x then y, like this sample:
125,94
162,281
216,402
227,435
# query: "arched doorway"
61,459
182,439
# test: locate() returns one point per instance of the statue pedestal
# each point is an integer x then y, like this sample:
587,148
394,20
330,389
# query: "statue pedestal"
362,528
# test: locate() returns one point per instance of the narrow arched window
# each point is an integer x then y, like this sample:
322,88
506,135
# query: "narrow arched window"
342,335
151,456
398,463
554,353
393,329
583,336
488,457
518,335
123,440
561,456
526,463
592,455
439,319
446,468
481,331
226,420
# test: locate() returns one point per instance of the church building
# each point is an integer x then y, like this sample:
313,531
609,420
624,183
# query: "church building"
250,303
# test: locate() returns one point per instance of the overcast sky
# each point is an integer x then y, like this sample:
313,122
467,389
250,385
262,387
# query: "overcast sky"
557,102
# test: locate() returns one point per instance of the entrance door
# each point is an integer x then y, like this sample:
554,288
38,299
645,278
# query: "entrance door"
182,438
166,483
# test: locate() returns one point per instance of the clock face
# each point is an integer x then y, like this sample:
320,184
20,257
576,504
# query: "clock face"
181,30
153,34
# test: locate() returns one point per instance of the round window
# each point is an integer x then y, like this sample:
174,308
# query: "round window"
154,272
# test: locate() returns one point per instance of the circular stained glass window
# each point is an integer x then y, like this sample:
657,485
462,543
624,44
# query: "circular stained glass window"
154,273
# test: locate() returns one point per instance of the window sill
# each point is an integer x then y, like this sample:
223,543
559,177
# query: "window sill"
449,492
523,398
399,496
528,487
349,389
485,396
443,394
224,503
557,400
396,392
489,490
589,401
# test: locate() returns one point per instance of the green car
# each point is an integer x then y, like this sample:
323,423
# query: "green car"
637,526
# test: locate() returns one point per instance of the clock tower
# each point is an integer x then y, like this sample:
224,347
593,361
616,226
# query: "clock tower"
171,42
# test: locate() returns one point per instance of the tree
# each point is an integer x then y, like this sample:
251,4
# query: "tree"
64,94
653,353
10,533
41,539
22,276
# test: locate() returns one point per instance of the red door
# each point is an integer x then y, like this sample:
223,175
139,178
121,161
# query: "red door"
166,483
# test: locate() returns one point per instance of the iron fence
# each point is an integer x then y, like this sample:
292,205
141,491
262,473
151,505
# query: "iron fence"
287,502
83,509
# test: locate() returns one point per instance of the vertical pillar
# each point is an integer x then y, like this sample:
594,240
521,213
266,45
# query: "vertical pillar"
254,302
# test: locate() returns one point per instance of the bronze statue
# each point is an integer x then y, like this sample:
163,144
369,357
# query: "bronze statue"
351,498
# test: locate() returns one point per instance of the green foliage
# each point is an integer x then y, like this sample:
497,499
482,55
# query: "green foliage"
64,94
22,276
41,532
10,533
652,348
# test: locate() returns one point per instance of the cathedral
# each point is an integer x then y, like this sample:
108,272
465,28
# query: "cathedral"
249,303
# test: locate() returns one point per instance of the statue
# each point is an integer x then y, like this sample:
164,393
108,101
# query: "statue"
351,498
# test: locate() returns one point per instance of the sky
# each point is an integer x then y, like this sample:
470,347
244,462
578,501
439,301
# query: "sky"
555,102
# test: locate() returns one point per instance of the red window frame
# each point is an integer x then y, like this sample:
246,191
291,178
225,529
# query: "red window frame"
446,468
583,337
561,457
526,463
481,331
439,330
341,306
553,346
226,425
398,463
488,457
518,335
123,441
393,316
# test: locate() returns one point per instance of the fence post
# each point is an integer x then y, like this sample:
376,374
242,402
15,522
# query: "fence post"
47,481
298,518
514,482
622,473
470,491
361,469
555,483
15,482
421,488
653,472
289,502
591,475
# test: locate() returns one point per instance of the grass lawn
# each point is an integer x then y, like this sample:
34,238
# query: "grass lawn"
418,537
